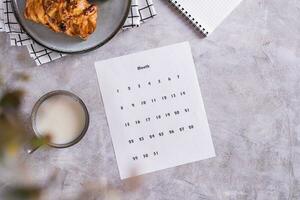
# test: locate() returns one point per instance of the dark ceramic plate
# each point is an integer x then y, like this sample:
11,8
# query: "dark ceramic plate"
111,16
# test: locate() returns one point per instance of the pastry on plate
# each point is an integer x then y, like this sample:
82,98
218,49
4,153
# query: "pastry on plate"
72,17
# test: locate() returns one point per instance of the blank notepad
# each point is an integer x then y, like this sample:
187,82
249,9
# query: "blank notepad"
205,15
154,110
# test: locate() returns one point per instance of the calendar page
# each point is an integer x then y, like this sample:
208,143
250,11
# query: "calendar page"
154,110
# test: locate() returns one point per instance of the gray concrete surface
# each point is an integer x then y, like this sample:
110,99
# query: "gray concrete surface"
249,73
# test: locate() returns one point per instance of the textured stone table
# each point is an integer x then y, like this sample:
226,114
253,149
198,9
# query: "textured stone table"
249,73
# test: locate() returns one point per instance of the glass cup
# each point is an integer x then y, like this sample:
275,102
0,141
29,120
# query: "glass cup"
34,120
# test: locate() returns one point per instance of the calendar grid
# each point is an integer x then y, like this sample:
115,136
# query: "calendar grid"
151,118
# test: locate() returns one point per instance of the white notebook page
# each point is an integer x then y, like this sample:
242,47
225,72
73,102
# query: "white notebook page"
154,110
208,13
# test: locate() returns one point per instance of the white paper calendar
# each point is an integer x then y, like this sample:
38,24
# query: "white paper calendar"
154,110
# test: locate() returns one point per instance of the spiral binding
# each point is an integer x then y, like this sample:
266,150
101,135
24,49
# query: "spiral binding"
185,13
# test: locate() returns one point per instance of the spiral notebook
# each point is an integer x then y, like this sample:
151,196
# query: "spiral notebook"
205,15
